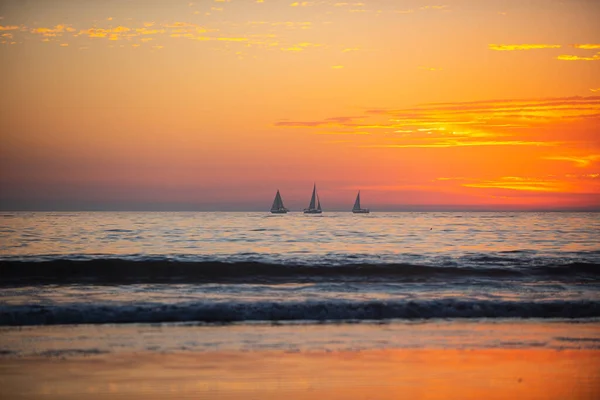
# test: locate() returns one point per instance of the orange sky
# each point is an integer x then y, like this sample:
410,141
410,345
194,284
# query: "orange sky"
213,105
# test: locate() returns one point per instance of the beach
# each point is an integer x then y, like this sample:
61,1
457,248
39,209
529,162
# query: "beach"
433,360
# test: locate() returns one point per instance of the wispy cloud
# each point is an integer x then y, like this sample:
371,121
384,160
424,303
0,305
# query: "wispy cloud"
439,7
522,185
342,133
464,124
580,161
54,31
460,143
513,47
519,183
587,46
333,121
567,57
301,46
141,33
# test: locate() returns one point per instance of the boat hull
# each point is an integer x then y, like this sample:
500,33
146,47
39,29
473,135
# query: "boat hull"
279,211
361,211
313,211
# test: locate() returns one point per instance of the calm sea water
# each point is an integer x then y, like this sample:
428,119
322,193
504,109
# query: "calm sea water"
68,268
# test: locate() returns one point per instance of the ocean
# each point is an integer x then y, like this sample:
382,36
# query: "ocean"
206,267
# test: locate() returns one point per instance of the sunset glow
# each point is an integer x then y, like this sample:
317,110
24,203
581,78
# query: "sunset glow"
214,105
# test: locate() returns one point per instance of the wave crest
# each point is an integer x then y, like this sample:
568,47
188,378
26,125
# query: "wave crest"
123,271
292,311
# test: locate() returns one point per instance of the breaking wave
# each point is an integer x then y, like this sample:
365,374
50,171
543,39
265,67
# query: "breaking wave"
125,271
223,312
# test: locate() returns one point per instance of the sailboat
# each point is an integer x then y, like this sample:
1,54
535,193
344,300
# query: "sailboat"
314,199
278,207
356,209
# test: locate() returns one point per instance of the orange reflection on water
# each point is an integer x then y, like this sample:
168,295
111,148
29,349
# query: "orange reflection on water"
373,374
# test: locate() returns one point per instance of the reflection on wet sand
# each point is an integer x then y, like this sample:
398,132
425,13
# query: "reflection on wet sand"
367,374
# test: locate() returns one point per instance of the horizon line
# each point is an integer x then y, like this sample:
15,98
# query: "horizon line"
337,210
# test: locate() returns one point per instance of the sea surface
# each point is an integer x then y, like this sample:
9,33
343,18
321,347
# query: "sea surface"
338,268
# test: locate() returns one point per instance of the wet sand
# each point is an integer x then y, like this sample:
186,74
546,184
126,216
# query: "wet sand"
440,359
365,374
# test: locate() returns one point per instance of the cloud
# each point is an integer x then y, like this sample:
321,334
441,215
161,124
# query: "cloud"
563,184
499,111
143,32
459,143
519,183
580,161
460,178
55,31
233,39
301,46
340,121
566,57
513,47
587,46
434,7
464,124
342,133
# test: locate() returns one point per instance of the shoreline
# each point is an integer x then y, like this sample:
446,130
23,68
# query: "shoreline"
64,341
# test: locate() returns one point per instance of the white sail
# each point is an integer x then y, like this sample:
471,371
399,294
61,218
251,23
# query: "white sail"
319,204
357,202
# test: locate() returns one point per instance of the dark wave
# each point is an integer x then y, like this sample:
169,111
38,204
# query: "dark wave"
121,271
292,311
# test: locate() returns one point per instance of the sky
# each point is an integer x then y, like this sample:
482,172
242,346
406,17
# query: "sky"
214,105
